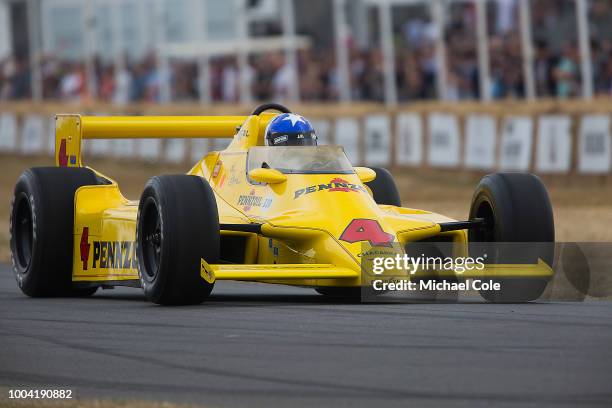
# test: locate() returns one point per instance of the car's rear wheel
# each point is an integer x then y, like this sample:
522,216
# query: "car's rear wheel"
383,188
177,227
519,227
41,230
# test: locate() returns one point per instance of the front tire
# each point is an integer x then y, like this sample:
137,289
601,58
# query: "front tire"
41,229
516,210
383,188
178,225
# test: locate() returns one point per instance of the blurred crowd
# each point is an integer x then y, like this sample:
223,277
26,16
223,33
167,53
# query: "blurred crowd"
556,64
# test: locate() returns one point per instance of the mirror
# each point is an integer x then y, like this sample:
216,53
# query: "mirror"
269,176
365,174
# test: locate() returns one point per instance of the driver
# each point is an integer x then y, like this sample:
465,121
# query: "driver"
289,129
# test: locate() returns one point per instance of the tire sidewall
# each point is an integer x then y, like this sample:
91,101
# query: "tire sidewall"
50,193
189,228
28,281
152,285
521,216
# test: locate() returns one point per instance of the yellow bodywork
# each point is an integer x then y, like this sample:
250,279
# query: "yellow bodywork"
300,241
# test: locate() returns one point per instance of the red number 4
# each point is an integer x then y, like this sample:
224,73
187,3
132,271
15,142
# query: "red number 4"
363,229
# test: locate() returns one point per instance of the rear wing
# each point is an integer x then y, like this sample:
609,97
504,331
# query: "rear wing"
70,130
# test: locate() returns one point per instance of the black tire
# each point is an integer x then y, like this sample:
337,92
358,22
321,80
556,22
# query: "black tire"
516,209
178,224
383,188
41,229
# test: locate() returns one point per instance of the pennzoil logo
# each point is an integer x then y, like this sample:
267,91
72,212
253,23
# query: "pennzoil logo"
335,184
107,254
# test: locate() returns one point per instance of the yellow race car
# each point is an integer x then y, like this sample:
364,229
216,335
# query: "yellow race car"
286,214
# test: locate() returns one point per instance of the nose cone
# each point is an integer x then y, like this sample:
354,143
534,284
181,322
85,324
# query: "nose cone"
341,207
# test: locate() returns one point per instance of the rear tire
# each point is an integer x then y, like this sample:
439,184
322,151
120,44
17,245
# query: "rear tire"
178,225
383,188
42,228
516,209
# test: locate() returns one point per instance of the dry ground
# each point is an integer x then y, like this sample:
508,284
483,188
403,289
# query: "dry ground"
582,206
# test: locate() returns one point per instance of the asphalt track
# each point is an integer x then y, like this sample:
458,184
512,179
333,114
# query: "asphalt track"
261,345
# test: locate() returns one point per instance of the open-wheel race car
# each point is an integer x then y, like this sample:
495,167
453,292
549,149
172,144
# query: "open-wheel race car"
285,214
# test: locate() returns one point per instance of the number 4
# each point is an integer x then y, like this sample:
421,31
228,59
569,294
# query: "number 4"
363,229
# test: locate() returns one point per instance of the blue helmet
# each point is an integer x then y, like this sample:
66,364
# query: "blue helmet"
289,129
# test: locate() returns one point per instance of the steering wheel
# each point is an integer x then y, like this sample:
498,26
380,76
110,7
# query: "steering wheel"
266,106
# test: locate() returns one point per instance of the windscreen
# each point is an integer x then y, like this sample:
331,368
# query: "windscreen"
300,159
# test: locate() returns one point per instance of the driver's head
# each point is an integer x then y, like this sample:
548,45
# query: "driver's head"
289,129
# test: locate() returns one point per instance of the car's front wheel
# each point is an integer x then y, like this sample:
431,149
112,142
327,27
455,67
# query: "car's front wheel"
177,228
383,187
518,228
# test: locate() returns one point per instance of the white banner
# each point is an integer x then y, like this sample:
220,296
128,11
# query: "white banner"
50,128
219,144
377,140
443,140
594,151
98,147
175,150
516,142
409,139
480,142
346,134
199,149
124,148
33,135
8,132
149,149
554,145
322,130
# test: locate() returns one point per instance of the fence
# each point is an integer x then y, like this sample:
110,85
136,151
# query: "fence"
545,137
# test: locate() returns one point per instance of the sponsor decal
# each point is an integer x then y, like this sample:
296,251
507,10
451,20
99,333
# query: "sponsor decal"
233,178
376,252
363,229
217,168
280,139
335,185
114,255
242,132
206,271
252,200
63,158
107,254
84,247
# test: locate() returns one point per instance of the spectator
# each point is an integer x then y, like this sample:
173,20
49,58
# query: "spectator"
566,73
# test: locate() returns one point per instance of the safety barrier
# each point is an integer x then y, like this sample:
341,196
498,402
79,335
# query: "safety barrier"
546,137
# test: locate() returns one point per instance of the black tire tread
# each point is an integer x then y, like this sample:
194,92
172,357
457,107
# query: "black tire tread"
383,188
190,232
52,190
